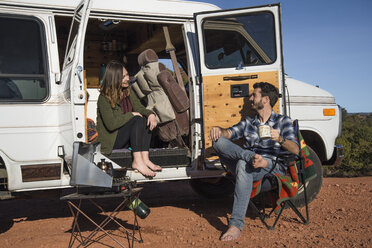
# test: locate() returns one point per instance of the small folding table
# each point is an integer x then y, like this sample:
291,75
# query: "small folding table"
76,210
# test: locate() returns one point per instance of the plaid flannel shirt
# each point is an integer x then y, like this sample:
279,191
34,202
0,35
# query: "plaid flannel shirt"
249,127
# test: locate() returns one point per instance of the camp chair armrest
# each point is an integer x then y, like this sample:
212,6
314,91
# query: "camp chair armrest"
288,159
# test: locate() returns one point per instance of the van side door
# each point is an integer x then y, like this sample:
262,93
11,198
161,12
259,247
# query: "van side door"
237,48
73,71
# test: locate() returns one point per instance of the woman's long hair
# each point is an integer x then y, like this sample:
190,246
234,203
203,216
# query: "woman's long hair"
111,82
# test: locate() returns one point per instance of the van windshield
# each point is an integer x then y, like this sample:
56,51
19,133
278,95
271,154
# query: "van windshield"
245,40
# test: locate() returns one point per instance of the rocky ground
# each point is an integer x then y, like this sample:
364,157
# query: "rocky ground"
341,216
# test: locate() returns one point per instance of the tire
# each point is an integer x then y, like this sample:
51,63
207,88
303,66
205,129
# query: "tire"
313,186
213,188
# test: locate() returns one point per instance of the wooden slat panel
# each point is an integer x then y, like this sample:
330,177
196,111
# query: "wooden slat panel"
222,110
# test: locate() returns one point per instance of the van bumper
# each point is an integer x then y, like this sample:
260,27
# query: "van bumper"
337,157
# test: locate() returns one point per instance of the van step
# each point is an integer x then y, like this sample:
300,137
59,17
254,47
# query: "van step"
164,157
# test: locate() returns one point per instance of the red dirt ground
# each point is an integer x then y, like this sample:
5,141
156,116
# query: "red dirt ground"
341,216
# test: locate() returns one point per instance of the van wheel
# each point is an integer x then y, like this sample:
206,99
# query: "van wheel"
213,188
313,186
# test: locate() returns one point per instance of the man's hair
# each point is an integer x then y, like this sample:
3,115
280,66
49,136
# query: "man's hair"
268,90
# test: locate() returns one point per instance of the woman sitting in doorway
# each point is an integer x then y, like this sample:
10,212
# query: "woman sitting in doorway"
122,120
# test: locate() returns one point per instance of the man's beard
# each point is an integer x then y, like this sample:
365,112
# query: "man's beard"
257,106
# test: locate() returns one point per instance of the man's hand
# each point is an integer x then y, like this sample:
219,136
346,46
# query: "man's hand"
151,122
259,162
287,144
217,132
275,134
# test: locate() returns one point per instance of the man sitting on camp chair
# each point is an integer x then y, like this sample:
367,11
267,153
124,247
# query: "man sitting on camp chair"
258,156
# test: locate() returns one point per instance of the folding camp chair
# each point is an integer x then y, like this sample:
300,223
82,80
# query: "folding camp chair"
284,188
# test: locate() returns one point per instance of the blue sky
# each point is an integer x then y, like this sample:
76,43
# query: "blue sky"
326,43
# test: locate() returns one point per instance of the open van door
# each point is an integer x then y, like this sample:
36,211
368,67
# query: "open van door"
237,48
73,68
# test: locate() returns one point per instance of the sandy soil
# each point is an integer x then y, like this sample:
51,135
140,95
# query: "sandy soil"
341,216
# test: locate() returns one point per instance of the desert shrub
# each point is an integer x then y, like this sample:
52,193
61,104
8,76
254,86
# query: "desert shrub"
357,141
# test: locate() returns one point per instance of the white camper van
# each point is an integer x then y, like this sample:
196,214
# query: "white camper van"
51,58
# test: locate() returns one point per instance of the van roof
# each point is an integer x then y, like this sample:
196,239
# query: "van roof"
176,8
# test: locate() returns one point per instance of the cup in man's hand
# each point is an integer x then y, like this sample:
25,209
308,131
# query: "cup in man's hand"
264,132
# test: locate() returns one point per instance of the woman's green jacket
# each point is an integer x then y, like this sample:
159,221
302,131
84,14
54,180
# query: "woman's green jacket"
110,119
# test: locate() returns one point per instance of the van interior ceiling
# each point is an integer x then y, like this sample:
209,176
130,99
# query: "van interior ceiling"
120,40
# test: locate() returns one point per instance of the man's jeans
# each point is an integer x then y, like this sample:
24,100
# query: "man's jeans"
238,161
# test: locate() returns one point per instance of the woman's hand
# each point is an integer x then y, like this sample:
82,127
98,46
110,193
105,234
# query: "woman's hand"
136,114
151,122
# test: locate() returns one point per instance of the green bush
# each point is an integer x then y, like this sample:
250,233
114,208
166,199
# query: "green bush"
357,141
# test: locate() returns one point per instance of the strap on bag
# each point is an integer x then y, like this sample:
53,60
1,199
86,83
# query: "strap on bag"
171,50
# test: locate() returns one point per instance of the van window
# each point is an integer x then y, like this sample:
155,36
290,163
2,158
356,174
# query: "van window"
234,41
71,44
169,66
23,75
